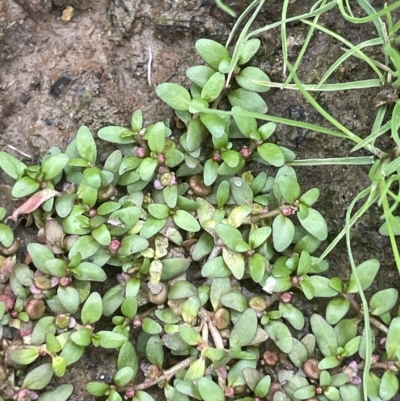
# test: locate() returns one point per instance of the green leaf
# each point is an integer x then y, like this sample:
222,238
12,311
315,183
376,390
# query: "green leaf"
315,224
82,337
195,135
246,100
350,392
154,351
321,287
61,393
247,125
325,335
59,365
156,137
142,396
159,211
87,271
132,244
238,215
24,187
241,191
22,356
288,186
282,232
92,177
97,388
123,376
127,357
235,301
147,168
38,378
110,340
310,197
272,154
215,124
189,335
86,245
280,334
69,298
170,195
305,392
200,74
209,390
383,301
234,261
393,339
259,236
150,326
257,266
137,120
115,134
196,370
40,255
53,165
215,267
389,386
247,50
244,329
173,267
213,87
366,272
6,235
336,310
85,145
186,221
11,165
292,314
92,309
248,75
174,95
212,52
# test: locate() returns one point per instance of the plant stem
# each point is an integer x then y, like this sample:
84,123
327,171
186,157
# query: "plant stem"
167,375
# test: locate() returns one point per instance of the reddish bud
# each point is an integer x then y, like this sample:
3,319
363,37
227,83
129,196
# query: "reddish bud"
161,158
130,392
286,297
286,211
140,152
114,246
270,358
92,212
64,281
216,156
229,391
245,152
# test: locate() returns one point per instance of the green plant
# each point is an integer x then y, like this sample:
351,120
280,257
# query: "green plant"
212,255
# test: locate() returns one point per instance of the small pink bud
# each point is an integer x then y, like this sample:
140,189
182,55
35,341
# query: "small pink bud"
286,297
374,358
114,246
270,358
229,391
64,281
216,156
318,390
137,322
245,152
382,342
356,380
23,395
92,212
287,211
157,184
161,158
130,392
140,152
14,314
353,365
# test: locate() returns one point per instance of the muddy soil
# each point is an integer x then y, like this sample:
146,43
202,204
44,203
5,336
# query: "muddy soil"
105,60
